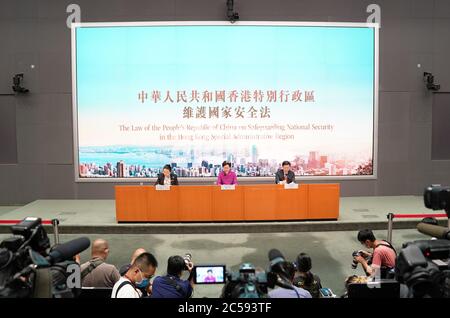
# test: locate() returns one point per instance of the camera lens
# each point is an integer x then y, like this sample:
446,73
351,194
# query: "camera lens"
355,263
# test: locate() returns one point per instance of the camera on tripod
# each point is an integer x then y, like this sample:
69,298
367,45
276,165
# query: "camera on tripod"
247,283
424,265
28,232
437,197
28,270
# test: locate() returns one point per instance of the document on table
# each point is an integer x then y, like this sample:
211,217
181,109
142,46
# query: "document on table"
227,187
160,187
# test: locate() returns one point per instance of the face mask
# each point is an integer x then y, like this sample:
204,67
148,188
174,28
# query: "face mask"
143,283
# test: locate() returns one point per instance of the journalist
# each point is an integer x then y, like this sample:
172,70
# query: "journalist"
383,256
171,285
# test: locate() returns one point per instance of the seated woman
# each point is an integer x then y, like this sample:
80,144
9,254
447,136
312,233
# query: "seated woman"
304,278
167,177
226,176
285,175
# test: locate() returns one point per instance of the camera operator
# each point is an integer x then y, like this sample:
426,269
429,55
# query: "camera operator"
383,257
28,270
171,285
291,292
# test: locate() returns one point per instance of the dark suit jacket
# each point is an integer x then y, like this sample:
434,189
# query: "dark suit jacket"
173,179
279,176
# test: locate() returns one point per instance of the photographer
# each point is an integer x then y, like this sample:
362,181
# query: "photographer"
171,285
382,258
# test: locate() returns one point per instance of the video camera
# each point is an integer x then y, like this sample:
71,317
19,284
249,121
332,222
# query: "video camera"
436,197
250,283
27,270
247,283
424,265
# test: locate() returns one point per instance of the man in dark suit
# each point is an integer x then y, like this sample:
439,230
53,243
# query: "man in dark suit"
285,175
167,177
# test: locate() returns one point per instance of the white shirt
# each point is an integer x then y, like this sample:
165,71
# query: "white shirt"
127,291
167,181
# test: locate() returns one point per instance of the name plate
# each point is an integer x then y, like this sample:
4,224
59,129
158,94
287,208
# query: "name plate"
160,187
291,185
228,187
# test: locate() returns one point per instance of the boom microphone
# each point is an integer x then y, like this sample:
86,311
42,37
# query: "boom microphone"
68,250
275,257
278,274
436,231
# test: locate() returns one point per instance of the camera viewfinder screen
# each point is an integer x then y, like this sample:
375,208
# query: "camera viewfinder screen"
210,274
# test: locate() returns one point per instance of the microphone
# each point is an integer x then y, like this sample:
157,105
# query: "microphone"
278,274
68,250
275,257
436,231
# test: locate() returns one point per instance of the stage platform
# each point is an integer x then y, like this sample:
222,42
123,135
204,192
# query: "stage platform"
98,216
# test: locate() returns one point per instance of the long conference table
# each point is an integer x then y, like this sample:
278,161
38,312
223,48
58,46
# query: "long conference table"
210,203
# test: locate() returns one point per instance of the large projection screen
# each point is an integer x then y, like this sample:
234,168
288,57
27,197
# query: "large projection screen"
193,94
